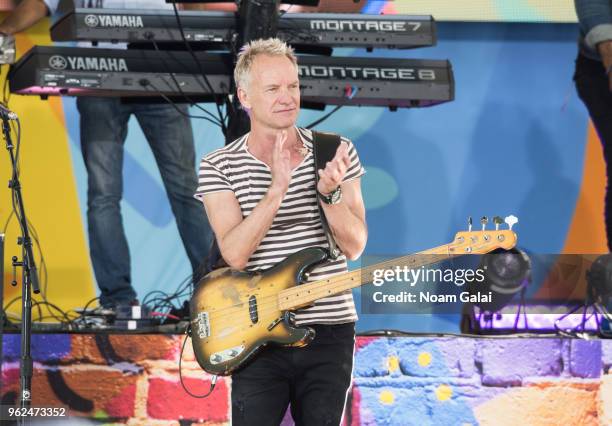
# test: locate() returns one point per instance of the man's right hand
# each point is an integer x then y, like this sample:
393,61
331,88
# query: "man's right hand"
281,164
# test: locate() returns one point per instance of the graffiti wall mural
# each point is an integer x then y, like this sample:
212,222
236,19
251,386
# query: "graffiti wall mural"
396,381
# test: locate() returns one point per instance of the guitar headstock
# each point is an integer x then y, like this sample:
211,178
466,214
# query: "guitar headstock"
485,241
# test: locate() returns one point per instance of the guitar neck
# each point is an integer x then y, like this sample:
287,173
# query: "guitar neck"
305,294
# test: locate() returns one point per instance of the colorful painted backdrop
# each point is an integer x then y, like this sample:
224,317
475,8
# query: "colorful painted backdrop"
405,381
481,10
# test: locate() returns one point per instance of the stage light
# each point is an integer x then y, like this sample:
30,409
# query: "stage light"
506,273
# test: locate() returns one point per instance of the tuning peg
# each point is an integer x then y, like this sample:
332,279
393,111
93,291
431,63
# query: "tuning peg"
497,221
469,223
511,220
483,221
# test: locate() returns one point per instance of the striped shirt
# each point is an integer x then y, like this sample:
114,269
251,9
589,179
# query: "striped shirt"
297,224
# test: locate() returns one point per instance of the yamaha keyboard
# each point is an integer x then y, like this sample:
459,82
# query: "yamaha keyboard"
314,29
74,71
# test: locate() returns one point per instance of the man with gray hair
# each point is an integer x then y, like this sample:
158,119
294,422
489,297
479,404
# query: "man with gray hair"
262,199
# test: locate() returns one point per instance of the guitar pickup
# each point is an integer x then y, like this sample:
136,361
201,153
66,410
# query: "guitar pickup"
253,309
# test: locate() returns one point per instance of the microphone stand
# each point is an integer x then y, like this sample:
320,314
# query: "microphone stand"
27,264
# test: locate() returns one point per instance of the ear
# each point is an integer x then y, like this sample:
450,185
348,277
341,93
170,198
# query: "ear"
243,98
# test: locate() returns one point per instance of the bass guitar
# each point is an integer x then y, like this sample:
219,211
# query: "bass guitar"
235,313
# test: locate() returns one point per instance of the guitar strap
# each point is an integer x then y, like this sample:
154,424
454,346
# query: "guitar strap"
324,146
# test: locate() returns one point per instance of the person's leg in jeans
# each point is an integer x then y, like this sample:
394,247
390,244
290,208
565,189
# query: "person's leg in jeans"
103,131
594,90
323,376
171,138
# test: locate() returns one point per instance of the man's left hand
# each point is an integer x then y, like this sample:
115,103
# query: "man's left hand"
333,174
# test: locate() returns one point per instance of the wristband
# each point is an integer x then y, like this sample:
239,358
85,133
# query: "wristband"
332,198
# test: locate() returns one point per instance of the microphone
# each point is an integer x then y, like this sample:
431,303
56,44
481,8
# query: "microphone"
7,114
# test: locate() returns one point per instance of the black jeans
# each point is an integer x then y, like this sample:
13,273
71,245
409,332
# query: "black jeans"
314,379
593,88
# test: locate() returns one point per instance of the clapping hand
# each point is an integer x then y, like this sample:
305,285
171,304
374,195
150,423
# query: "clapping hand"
333,174
281,163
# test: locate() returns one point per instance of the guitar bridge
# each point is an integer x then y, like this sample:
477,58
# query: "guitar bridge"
226,355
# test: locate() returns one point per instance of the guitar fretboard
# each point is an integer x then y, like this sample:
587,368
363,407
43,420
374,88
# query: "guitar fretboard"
307,293
477,242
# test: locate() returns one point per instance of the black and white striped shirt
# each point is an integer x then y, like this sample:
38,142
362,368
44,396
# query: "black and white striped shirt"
297,224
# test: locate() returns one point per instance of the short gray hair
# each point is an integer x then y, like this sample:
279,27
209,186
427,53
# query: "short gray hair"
269,46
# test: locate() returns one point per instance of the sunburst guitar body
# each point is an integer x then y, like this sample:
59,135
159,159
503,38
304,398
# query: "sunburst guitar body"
238,312
233,314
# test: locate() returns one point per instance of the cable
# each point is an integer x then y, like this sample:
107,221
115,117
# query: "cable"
213,381
37,305
144,82
349,93
322,119
52,309
297,34
89,303
6,94
49,305
8,220
161,314
11,302
164,301
181,288
210,88
18,144
15,175
145,300
43,273
180,90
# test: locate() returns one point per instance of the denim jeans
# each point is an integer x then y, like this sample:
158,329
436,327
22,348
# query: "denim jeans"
593,88
104,126
313,379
